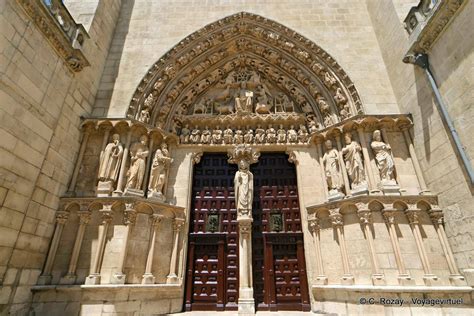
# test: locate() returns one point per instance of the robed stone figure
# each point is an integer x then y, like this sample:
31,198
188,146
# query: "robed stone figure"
110,160
158,173
353,161
383,157
138,153
332,169
243,187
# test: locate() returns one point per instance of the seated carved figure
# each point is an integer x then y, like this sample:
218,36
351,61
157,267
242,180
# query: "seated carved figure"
271,135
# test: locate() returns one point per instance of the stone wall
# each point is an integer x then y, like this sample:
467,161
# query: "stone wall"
42,102
148,29
451,59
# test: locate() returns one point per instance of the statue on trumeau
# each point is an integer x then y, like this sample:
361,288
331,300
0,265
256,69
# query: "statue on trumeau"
243,188
136,172
353,161
159,172
332,169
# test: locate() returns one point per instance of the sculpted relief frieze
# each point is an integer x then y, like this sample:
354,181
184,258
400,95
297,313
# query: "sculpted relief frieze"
248,67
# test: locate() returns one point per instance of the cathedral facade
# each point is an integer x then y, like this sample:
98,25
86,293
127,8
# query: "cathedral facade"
170,156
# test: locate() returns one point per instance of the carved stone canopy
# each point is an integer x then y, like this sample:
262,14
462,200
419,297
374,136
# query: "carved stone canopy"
243,152
244,65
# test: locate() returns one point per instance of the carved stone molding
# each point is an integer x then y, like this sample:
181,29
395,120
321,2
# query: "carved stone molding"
287,60
63,33
383,203
427,21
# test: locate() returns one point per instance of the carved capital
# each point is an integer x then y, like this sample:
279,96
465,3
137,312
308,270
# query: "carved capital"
437,217
196,157
389,216
413,217
243,152
129,214
156,219
365,216
314,225
178,224
84,217
245,227
292,156
106,213
61,217
336,218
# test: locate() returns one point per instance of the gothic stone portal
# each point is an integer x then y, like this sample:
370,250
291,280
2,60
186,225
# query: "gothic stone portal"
279,273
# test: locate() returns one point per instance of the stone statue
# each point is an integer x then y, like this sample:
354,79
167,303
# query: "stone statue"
238,137
353,160
383,157
206,136
144,115
200,107
243,188
185,133
158,172
195,136
259,135
339,97
228,136
248,137
281,135
217,136
271,135
138,153
303,135
292,135
263,105
312,125
243,99
110,160
332,169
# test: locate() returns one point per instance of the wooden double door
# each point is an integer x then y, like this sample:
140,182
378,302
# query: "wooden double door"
278,263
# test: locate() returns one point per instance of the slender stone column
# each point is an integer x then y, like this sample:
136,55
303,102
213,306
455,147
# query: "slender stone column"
429,277
347,185
105,138
246,300
84,218
129,217
72,184
148,163
416,164
365,217
106,216
368,166
61,219
123,165
148,277
438,220
338,223
315,229
323,172
172,278
404,277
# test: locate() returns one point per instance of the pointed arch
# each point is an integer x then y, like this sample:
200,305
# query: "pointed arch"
282,58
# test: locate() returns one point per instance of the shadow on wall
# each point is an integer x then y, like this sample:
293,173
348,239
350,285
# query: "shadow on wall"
112,64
